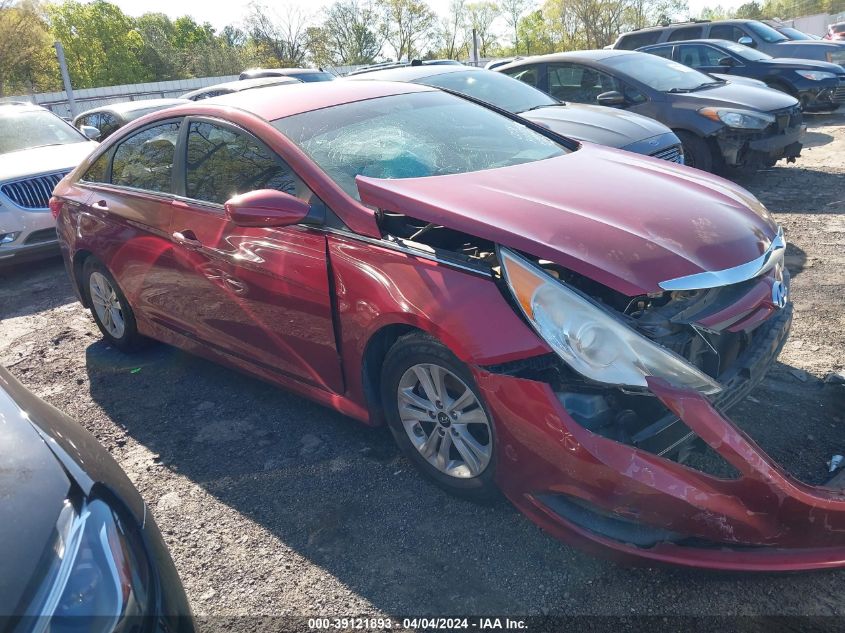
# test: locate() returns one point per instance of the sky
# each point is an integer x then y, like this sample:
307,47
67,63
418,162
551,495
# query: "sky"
224,12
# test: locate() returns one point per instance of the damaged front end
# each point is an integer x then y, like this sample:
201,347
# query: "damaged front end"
754,148
658,472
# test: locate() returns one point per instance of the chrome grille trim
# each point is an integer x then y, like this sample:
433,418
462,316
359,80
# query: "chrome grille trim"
718,278
673,154
33,193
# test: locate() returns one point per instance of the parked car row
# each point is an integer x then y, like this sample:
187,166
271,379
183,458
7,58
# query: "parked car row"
525,312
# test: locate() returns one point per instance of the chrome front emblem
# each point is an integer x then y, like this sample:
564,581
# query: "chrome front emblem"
779,294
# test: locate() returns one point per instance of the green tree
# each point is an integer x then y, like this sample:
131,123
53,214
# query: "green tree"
513,10
407,26
350,32
480,17
27,59
749,11
102,45
277,41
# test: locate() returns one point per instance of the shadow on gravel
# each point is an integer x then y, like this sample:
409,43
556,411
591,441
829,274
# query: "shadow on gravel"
339,494
816,139
33,287
797,189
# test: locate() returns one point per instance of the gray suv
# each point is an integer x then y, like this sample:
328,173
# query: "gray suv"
749,32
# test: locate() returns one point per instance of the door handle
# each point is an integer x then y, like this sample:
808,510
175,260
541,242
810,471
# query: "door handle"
187,239
100,205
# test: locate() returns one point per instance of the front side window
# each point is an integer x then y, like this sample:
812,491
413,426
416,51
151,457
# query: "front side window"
491,87
22,129
222,163
726,32
412,135
685,33
527,75
698,55
580,84
145,159
109,124
98,171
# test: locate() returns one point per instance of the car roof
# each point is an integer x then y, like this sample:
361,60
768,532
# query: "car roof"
20,106
244,84
284,72
698,41
124,107
411,73
594,55
278,102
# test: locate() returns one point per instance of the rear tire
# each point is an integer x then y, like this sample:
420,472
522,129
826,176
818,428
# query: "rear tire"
437,417
109,307
697,152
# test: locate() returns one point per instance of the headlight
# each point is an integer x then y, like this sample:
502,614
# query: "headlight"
588,338
741,119
837,57
98,578
815,75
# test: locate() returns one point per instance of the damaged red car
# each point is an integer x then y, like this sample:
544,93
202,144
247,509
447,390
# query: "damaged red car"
563,322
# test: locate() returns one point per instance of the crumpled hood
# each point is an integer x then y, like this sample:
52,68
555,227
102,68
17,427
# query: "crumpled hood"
623,220
43,160
736,95
597,124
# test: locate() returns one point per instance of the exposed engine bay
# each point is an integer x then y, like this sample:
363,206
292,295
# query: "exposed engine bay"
737,356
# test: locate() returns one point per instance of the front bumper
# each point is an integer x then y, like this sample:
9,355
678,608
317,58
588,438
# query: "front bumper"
613,498
36,233
749,148
822,95
665,146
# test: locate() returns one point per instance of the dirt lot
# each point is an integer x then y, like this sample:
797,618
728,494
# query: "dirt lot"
273,505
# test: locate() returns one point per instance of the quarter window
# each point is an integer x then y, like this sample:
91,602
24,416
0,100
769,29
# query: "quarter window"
145,160
222,163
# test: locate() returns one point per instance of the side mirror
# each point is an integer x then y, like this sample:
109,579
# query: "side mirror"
266,208
726,61
611,98
90,132
747,41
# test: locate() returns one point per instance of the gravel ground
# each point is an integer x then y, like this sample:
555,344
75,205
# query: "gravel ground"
273,505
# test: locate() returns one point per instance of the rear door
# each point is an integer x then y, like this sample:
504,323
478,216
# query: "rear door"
126,222
260,295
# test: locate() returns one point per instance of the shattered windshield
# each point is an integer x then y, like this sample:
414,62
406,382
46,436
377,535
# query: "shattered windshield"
411,136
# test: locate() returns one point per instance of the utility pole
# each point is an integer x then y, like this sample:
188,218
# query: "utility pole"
60,53
474,47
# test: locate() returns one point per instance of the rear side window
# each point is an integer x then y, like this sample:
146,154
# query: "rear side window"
685,33
632,41
145,160
726,32
222,163
661,51
525,74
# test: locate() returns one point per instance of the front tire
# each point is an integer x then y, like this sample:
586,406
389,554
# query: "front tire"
436,415
697,152
109,307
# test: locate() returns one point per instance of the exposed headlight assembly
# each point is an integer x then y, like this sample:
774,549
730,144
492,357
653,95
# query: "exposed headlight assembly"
815,75
98,580
739,119
588,338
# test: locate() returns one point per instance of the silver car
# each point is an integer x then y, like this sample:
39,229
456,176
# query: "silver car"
37,150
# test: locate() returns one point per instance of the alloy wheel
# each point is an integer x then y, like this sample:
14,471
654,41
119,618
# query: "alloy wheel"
106,304
445,421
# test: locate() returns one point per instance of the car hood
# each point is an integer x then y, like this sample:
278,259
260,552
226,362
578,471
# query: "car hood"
623,220
597,124
737,96
43,160
33,487
805,64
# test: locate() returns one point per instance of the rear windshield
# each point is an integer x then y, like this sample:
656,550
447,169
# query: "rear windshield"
494,88
27,129
309,77
411,136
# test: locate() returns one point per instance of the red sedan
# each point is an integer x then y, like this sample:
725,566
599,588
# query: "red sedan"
559,321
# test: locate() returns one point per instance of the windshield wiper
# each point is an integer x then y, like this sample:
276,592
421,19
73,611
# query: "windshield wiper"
547,105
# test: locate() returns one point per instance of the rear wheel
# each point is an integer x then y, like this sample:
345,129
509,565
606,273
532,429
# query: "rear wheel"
436,415
697,152
109,307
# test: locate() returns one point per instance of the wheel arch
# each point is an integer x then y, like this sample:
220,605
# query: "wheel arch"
372,360
77,264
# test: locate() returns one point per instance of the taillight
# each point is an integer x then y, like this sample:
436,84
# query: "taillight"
56,205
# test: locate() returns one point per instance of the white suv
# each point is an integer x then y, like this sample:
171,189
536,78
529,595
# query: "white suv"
37,150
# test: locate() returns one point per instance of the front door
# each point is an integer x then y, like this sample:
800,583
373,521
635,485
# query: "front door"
261,295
